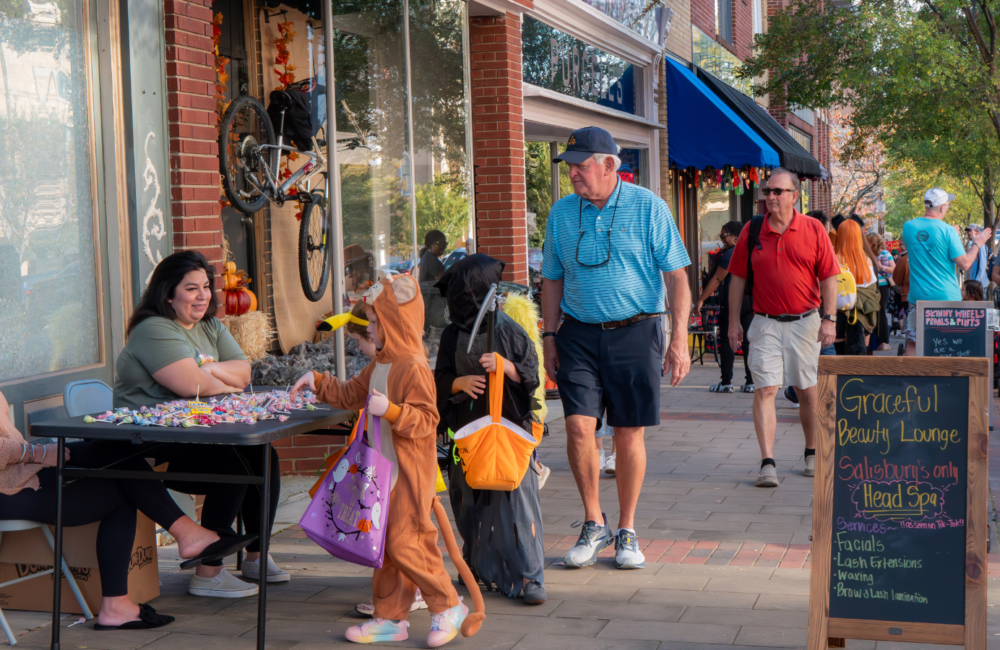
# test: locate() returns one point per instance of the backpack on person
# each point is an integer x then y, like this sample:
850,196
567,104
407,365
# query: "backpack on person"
847,290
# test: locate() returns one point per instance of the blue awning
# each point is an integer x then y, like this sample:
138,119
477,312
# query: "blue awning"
704,132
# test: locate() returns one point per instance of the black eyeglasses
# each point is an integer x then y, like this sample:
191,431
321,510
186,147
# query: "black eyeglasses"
777,191
584,232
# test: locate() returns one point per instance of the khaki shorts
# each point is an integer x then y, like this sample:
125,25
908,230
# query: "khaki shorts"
784,354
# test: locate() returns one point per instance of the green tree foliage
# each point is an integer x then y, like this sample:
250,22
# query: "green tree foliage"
919,77
904,194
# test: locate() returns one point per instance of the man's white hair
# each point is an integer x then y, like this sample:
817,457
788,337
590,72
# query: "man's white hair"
599,159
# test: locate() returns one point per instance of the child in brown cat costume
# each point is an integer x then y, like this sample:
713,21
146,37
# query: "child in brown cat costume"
402,393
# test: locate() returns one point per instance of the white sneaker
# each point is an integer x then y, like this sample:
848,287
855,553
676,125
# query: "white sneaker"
810,469
609,465
593,539
368,609
627,553
544,476
224,585
601,461
251,571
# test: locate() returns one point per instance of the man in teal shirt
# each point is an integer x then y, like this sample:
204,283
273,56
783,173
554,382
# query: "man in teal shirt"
935,251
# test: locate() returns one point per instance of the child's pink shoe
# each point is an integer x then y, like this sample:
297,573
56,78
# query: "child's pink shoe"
377,630
445,626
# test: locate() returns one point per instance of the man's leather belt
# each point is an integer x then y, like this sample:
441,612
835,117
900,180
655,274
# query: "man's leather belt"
615,324
788,318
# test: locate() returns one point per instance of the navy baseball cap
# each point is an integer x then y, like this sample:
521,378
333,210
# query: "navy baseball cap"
584,143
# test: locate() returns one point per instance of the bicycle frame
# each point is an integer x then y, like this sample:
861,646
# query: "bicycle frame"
277,193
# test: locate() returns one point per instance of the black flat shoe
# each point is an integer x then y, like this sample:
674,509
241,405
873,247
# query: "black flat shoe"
226,546
148,619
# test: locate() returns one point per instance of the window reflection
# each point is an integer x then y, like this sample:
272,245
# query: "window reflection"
440,135
49,313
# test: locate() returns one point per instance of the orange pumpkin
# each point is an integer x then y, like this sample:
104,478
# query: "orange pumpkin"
364,525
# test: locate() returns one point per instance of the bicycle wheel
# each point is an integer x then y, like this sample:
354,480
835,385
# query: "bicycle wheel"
245,127
314,248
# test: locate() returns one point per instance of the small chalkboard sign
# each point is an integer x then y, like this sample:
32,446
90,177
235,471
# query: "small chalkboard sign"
899,508
953,329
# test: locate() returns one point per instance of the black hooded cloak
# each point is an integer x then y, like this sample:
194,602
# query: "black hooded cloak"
502,531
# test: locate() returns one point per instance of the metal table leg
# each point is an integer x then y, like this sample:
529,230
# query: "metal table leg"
58,550
265,537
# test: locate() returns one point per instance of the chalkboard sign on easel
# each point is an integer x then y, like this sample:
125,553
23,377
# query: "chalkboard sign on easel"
899,507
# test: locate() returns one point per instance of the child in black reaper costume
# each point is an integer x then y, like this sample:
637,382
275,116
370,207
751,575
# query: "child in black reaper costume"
502,531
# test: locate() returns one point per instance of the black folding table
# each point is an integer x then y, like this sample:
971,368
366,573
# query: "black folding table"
263,434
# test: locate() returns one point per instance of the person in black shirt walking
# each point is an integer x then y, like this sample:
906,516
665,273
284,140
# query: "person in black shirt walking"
720,278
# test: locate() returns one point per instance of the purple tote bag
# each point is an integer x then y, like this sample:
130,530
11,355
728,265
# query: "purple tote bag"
347,517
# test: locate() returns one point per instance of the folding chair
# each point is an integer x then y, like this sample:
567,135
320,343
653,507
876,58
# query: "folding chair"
21,524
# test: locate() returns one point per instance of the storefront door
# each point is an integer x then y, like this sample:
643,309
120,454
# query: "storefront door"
237,227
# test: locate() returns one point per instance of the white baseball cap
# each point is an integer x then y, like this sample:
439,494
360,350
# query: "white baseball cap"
936,196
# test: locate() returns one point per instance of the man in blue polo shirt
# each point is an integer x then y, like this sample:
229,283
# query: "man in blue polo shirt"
610,249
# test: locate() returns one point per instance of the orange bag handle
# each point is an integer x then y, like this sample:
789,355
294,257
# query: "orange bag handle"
331,460
496,390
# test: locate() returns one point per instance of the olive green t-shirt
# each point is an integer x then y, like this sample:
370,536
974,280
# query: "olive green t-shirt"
157,342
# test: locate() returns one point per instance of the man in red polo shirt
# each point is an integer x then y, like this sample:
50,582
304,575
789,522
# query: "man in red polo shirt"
792,265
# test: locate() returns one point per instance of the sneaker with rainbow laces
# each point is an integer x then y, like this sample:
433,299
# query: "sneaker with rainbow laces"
378,630
445,626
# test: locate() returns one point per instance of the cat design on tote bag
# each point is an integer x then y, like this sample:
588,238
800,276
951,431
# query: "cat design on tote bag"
346,517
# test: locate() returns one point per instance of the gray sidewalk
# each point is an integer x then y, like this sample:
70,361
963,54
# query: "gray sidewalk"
727,563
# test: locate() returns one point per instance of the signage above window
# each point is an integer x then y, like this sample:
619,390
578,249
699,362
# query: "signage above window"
567,65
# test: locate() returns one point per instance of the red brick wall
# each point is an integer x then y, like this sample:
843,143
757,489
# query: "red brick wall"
194,156
303,455
703,15
498,142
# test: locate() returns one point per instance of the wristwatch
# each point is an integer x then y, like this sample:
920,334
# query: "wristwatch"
829,317
548,334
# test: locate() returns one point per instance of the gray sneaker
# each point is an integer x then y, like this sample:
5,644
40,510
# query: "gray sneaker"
810,469
534,593
593,539
768,477
224,585
627,553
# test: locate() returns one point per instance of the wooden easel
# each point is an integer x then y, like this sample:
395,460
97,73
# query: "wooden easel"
827,632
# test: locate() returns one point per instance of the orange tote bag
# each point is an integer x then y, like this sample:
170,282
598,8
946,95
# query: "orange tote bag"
494,451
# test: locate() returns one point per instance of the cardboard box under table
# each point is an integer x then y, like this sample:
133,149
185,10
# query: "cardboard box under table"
26,552
260,435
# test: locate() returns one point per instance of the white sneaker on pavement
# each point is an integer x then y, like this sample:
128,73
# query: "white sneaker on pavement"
601,461
609,465
768,477
627,553
810,469
544,476
224,585
593,539
251,571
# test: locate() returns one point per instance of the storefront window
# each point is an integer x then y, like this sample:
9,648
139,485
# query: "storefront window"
440,136
567,65
49,307
713,211
376,187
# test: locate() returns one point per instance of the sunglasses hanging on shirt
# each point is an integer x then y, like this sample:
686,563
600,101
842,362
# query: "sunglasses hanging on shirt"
584,232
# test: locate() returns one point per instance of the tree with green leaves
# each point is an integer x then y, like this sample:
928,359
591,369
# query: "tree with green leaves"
920,78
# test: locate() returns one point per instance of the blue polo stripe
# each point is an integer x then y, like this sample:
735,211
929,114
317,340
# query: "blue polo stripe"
644,243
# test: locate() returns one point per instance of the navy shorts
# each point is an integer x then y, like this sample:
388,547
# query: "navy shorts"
611,371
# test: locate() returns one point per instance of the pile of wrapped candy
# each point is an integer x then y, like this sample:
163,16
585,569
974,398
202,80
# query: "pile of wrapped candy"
246,408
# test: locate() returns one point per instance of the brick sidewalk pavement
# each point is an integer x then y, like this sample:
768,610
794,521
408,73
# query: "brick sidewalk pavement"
727,562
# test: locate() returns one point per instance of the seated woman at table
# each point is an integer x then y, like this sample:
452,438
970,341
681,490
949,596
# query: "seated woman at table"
177,348
28,491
